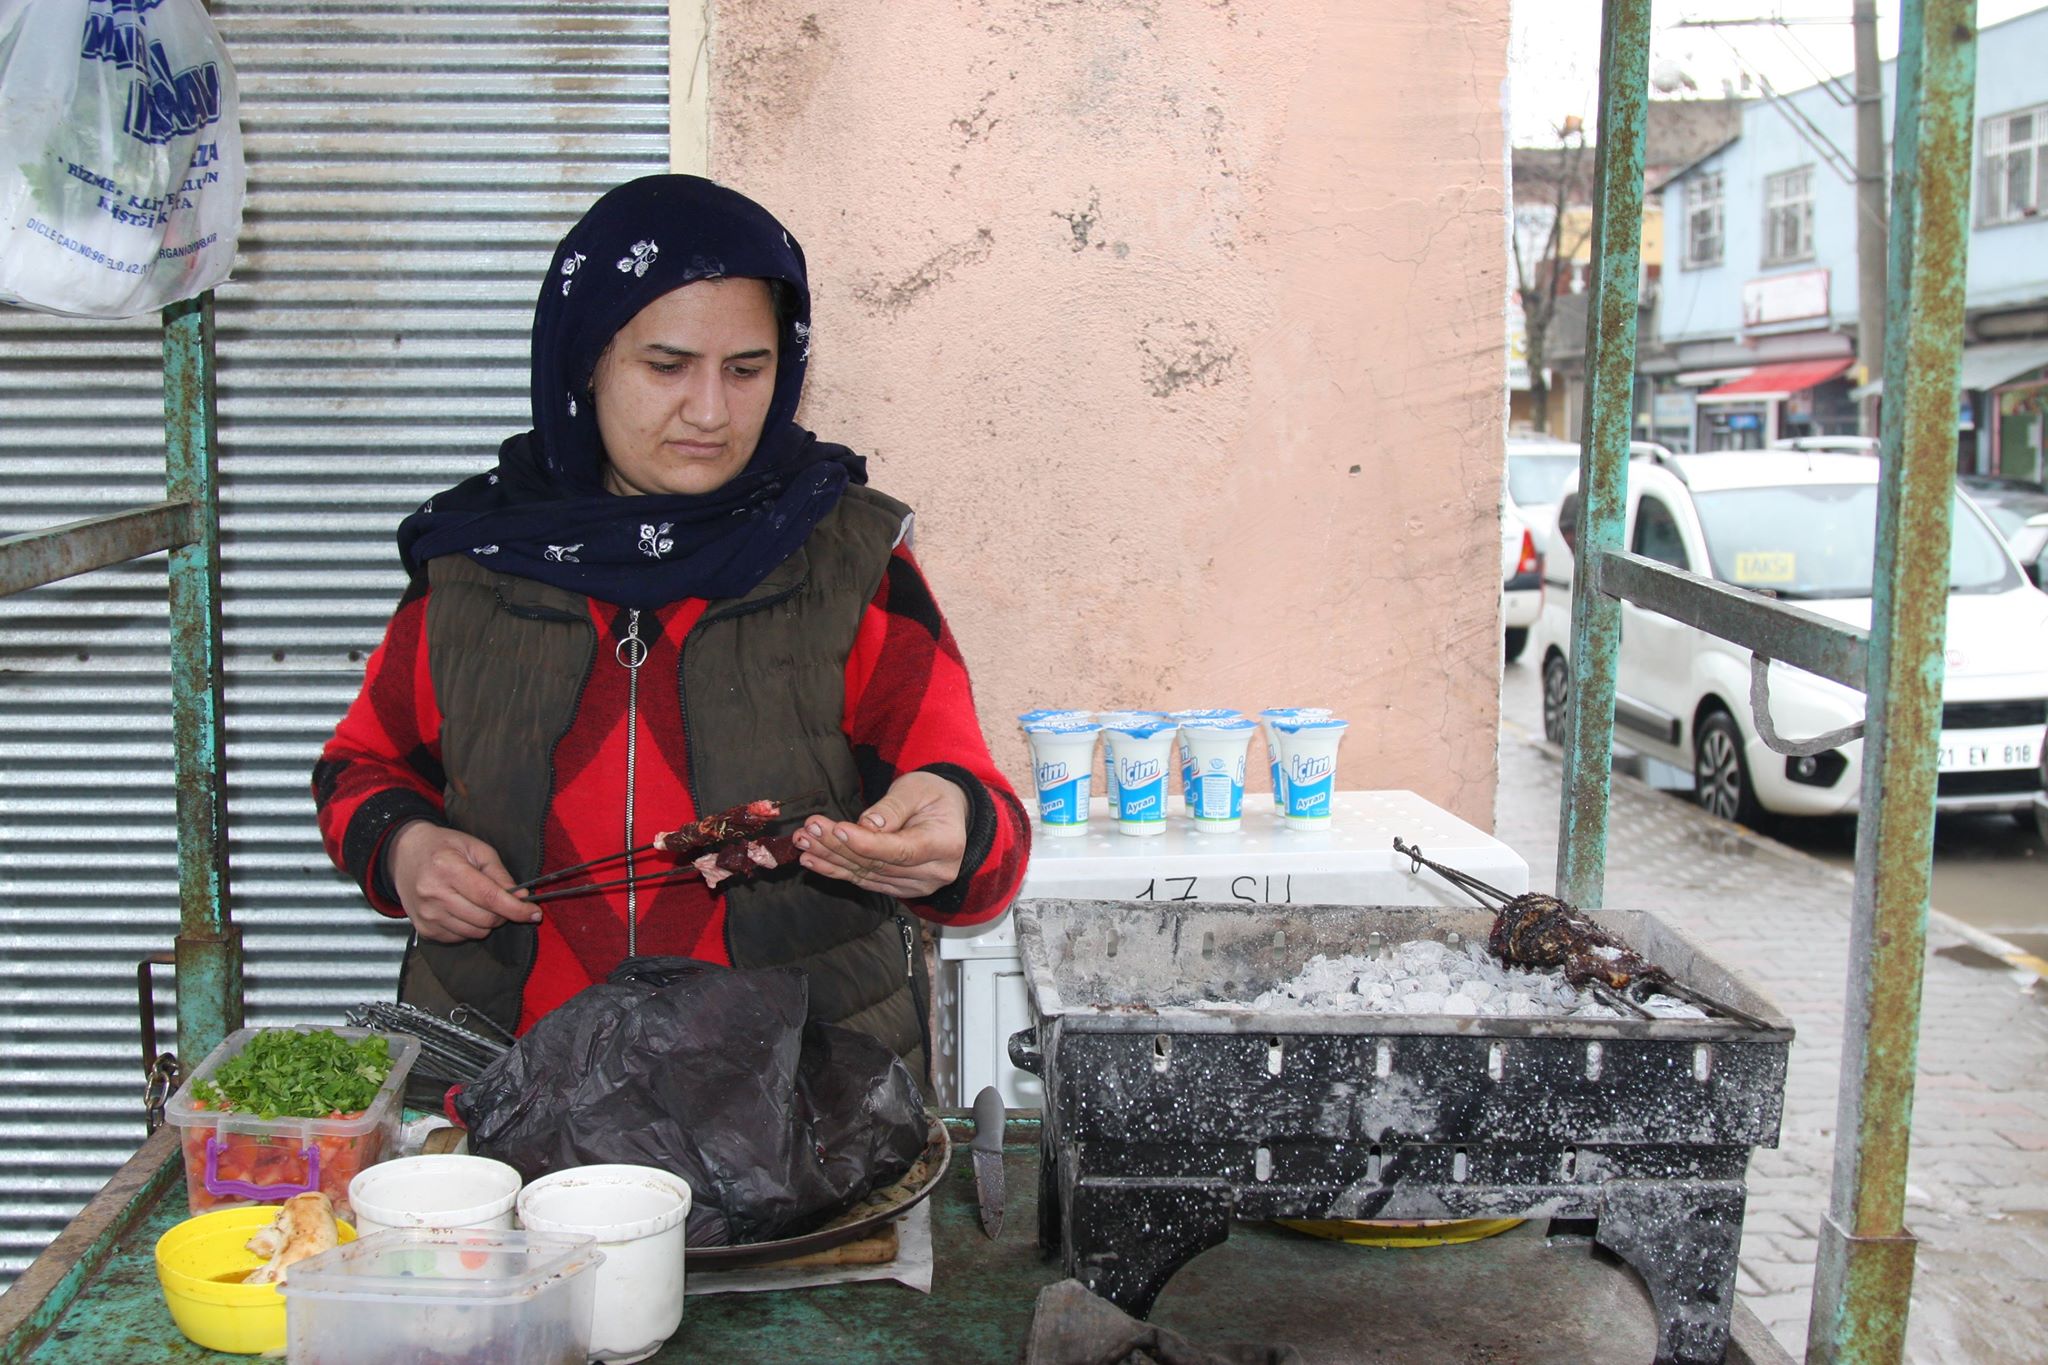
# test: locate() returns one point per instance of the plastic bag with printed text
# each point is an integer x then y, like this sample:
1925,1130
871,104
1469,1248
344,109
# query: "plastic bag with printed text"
121,179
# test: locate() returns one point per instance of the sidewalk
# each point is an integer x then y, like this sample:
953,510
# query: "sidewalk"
1977,1193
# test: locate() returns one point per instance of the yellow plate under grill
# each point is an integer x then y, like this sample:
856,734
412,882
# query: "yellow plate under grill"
1428,1232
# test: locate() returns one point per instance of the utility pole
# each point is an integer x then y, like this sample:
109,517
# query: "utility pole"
1871,208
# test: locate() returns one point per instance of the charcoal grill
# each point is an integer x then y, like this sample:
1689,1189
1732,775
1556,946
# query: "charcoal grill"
1164,1122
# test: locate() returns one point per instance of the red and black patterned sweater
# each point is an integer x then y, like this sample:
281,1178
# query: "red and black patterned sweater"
908,706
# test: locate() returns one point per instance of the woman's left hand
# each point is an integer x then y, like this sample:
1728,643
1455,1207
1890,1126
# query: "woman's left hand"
907,845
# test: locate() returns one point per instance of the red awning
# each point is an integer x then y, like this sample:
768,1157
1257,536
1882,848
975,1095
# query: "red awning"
1788,376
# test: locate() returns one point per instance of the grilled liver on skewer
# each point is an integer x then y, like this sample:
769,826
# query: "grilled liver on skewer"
1535,930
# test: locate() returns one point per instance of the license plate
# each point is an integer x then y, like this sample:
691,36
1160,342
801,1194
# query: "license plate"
1961,754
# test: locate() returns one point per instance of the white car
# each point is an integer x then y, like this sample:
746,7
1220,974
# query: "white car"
1521,581
1839,445
1539,467
1802,527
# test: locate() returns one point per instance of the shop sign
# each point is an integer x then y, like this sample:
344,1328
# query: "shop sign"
1672,409
1518,344
1785,298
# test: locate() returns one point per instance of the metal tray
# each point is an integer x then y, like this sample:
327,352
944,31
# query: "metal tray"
938,1154
1142,967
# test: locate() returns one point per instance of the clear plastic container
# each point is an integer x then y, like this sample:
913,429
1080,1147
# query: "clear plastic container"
471,1296
233,1159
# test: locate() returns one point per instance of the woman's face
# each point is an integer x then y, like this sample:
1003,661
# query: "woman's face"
683,389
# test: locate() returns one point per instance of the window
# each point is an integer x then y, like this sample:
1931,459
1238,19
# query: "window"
1788,216
1703,220
2013,154
1657,535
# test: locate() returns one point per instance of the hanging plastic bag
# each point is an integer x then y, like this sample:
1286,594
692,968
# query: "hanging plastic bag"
121,178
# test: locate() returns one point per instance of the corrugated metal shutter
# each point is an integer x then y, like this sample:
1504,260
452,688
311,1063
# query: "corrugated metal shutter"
410,169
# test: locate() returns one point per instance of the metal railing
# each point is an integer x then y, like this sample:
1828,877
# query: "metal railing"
1864,1278
186,523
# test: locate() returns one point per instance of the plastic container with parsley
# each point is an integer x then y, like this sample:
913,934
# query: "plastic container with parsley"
274,1112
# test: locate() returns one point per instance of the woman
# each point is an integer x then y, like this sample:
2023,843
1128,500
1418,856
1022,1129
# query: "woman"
668,599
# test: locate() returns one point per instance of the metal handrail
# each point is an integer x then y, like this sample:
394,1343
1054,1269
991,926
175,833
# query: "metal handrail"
186,523
1864,1278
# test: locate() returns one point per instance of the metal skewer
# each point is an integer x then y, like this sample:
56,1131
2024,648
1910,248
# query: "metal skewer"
559,873
684,873
1606,994
1464,881
1705,1002
1624,1000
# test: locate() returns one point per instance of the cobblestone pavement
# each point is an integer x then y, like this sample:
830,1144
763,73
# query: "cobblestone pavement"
1977,1192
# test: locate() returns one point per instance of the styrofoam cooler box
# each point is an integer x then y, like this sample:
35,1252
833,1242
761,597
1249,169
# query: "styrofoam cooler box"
982,993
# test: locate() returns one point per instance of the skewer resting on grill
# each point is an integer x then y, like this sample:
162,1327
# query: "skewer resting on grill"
1535,930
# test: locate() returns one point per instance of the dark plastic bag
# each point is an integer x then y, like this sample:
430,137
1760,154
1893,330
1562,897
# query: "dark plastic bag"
779,1123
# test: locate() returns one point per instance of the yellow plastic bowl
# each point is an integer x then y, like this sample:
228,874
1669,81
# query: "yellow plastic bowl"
199,1264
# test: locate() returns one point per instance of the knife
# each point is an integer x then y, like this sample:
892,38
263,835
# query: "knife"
988,1158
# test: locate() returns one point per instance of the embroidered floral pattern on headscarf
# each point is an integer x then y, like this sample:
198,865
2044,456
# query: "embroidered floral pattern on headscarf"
544,512
640,257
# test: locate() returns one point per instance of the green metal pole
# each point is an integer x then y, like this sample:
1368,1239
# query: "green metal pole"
1603,461
1864,1279
209,945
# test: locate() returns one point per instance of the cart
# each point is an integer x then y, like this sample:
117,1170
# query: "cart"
91,1296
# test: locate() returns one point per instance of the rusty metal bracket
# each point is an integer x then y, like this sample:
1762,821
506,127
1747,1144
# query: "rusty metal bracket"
1760,711
1781,630
161,1071
34,558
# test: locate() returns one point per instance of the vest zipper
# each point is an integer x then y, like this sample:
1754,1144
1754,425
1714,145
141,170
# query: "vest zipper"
631,652
540,834
683,700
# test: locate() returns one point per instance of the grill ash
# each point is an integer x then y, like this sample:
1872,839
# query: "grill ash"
1425,976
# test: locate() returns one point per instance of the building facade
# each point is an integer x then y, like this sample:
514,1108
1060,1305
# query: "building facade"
1552,254
1759,292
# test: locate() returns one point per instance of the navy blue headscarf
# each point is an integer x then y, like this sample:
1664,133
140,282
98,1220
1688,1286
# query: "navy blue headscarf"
544,512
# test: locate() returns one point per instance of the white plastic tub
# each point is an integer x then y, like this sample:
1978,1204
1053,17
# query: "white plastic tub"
446,1191
637,1214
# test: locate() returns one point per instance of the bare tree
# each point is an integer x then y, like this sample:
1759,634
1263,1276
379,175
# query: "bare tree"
1550,182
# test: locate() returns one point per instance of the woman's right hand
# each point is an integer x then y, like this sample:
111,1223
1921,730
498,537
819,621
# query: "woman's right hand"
452,885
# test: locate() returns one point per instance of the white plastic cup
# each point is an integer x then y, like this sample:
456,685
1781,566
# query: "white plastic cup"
1045,713
638,1215
1187,763
447,1191
1138,753
1109,785
1063,766
1214,783
1308,766
1266,718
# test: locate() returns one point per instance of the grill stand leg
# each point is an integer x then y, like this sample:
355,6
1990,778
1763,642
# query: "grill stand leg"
1126,1237
1682,1237
1050,1234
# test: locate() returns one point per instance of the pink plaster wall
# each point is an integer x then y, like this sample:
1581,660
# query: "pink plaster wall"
1180,324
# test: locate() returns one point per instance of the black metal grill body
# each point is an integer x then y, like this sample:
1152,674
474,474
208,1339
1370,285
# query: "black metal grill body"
1163,1123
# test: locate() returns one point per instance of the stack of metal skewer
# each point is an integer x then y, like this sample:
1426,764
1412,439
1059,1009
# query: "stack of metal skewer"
450,1054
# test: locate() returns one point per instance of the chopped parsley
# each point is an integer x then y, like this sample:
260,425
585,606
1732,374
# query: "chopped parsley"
281,1073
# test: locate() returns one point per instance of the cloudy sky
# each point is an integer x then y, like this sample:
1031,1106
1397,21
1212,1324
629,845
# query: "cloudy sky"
1554,55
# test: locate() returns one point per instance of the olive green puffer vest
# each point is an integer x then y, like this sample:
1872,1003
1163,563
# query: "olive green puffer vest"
762,681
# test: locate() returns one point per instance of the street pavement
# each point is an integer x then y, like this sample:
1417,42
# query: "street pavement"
1977,1193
